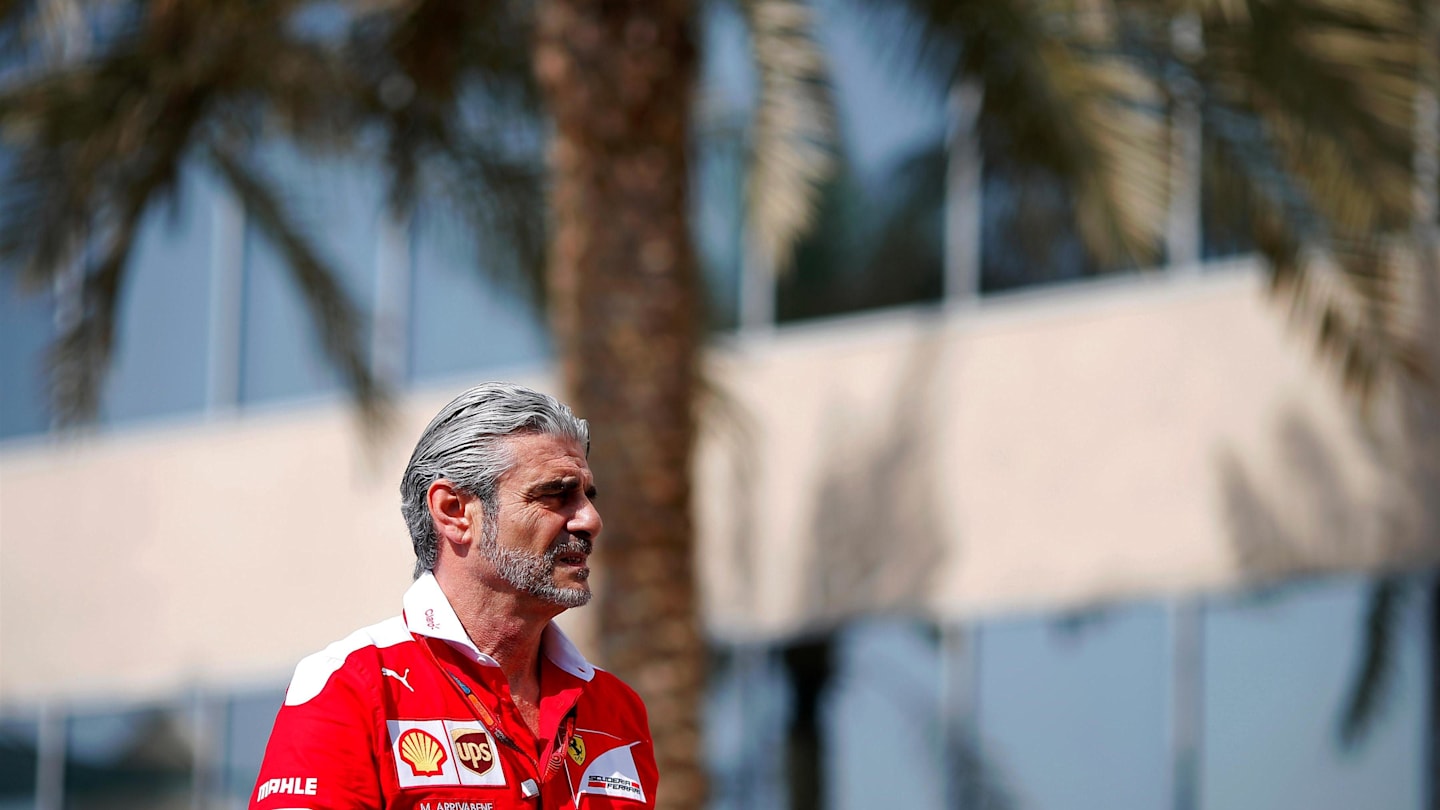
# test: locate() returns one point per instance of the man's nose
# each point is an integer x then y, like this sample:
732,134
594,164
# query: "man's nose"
586,522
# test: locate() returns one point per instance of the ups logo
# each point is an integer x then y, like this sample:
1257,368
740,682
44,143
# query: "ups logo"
474,749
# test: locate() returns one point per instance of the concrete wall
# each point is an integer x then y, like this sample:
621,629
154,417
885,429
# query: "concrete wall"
1088,443
1121,439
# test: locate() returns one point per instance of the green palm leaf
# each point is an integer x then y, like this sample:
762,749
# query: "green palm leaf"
1061,93
341,326
1309,113
793,141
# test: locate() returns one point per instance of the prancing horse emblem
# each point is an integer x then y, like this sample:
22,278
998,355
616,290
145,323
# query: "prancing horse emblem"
397,676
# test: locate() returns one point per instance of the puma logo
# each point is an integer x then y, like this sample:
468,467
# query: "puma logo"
397,676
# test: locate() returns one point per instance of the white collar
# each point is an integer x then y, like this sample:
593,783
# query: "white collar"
428,613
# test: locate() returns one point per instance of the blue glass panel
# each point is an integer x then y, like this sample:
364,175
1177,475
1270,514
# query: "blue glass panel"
745,731
462,321
19,739
883,719
718,223
140,759
338,208
888,112
727,81
251,715
1276,673
878,239
26,329
1028,233
1227,215
163,328
1075,715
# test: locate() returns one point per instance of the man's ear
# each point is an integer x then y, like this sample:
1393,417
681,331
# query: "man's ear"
449,509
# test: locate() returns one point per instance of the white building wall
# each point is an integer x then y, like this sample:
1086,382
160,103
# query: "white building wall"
1057,448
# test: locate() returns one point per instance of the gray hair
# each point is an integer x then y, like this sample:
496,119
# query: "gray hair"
466,444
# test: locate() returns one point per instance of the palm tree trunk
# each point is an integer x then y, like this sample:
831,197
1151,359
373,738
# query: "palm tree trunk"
618,77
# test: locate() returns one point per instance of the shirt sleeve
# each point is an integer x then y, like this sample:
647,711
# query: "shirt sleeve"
645,758
624,775
322,751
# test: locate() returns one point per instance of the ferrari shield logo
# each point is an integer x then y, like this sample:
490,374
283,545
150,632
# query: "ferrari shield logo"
576,749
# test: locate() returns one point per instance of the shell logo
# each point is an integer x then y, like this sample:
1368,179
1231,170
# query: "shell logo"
422,752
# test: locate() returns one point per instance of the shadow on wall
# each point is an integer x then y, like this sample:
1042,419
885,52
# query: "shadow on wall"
1398,429
1310,516
876,537
976,781
726,419
1262,520
873,537
1397,524
876,545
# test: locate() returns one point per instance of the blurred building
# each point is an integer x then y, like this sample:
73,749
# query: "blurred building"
1019,536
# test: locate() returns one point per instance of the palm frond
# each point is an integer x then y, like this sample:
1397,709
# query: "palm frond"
504,200
1352,295
792,148
429,68
1310,106
338,322
1062,94
96,143
1334,92
89,159
452,90
1231,11
1116,161
80,356
72,157
1351,300
83,133
41,32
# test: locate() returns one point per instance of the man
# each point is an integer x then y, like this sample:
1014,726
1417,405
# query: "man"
473,699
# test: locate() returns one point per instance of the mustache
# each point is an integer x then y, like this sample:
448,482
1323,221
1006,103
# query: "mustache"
570,545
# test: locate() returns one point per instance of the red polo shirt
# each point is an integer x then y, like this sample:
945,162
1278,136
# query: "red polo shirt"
388,718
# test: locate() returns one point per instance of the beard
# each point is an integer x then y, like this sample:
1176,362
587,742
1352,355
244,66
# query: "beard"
535,573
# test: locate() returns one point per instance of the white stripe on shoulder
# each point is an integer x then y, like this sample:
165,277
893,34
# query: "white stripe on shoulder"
314,671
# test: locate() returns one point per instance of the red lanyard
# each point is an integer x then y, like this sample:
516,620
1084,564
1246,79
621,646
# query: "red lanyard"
482,712
492,724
